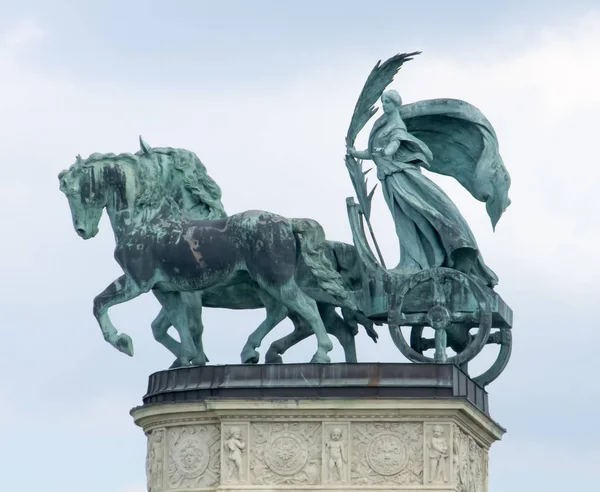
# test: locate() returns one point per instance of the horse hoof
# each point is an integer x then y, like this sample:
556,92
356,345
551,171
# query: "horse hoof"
320,359
199,362
250,357
124,344
179,363
273,359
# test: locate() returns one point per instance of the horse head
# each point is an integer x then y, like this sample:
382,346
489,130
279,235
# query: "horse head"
82,185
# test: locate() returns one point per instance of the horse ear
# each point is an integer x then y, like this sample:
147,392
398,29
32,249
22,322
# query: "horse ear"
79,159
146,149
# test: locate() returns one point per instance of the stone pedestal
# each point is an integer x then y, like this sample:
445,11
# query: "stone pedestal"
316,427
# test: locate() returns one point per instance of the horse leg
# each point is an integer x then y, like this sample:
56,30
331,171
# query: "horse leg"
121,290
301,332
160,328
341,329
296,300
276,313
193,304
334,325
177,313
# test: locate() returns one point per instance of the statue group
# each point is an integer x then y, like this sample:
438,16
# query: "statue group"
174,239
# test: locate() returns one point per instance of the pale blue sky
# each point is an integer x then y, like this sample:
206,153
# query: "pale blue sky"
262,92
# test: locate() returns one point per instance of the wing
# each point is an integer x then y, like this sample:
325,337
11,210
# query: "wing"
464,146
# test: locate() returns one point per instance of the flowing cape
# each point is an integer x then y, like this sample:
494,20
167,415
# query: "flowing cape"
464,146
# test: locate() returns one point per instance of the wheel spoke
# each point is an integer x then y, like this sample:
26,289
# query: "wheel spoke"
464,318
405,349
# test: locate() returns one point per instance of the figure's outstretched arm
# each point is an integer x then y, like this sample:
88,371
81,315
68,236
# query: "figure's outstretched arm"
360,154
364,154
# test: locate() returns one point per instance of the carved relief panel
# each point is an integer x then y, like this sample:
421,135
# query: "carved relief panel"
234,453
336,453
387,453
470,463
438,453
194,456
285,453
155,459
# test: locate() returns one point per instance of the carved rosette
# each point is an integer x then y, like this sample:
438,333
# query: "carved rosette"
285,453
470,463
155,460
194,456
387,453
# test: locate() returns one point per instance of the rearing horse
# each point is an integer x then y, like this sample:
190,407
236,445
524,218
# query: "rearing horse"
160,250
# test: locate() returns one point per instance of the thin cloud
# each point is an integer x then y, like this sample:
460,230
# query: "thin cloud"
22,36
282,150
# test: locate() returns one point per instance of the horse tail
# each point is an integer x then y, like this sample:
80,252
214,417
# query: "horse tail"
311,238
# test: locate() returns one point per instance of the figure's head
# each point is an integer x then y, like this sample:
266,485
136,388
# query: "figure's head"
438,431
81,184
235,433
336,434
472,448
391,101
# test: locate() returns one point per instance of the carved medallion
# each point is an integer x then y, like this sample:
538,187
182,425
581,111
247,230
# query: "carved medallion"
191,456
194,456
287,454
387,454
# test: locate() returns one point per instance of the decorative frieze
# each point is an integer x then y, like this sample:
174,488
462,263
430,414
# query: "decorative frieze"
345,448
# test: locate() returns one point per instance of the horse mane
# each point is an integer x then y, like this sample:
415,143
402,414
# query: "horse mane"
196,181
148,176
150,179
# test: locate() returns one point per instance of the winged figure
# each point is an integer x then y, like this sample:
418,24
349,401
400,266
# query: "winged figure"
446,136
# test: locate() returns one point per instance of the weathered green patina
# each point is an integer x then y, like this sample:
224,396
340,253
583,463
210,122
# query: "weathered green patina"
174,239
441,281
141,194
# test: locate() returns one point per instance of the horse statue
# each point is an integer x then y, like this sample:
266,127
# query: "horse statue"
186,180
161,249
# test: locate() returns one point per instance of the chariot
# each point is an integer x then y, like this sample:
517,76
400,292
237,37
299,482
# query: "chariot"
452,138
450,302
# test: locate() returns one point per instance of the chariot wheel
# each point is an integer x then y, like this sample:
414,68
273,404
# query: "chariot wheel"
502,337
440,318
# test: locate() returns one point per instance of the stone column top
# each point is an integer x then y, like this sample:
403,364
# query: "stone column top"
310,381
299,427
